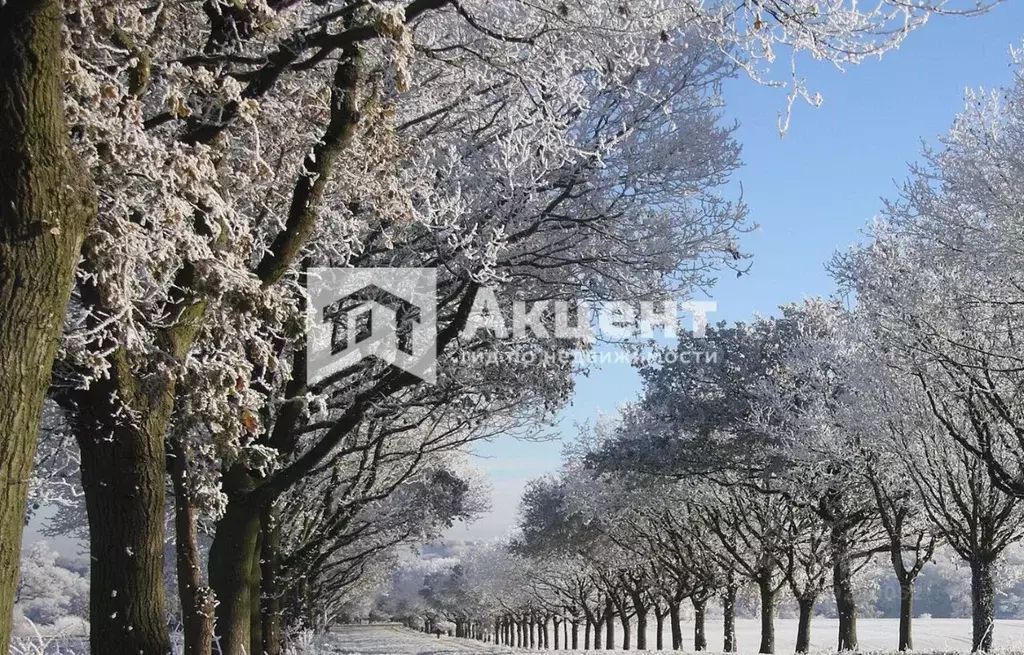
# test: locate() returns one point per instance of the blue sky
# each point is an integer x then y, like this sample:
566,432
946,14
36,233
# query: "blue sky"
810,192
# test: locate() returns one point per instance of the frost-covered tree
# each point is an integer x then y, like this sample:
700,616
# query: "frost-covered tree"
887,414
324,549
232,143
766,406
49,590
219,319
975,518
801,405
751,530
668,531
939,281
700,416
938,288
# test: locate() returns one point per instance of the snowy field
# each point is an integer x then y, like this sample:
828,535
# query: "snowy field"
931,635
937,636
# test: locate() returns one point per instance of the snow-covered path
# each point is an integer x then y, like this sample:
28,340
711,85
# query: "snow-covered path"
398,640
931,635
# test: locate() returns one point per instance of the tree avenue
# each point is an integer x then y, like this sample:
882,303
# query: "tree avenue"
175,173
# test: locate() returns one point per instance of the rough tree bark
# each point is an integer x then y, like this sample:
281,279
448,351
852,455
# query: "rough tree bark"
659,629
641,624
255,614
272,632
609,611
906,615
767,594
197,600
729,615
234,557
700,636
47,202
982,605
803,628
677,629
842,586
123,476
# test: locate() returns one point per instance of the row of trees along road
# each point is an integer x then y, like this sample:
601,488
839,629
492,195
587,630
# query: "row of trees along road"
172,170
783,469
811,442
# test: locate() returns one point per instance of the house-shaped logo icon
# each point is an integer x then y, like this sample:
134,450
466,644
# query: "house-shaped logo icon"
371,313
387,313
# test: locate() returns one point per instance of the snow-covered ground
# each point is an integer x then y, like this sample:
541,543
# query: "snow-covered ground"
945,636
931,635
397,640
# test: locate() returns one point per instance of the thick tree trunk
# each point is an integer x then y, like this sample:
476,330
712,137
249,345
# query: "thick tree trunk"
556,623
575,634
729,616
598,625
123,475
700,635
255,606
842,586
641,626
627,632
906,615
47,201
586,635
609,637
196,597
767,617
271,615
982,605
675,627
803,628
659,635
545,634
234,563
